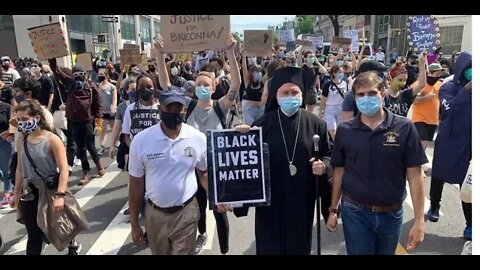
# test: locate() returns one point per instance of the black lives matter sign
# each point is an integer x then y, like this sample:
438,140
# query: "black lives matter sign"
239,170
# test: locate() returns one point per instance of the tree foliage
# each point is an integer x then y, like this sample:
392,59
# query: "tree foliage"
304,24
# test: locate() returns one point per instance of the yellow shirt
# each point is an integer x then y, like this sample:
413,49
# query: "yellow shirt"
427,111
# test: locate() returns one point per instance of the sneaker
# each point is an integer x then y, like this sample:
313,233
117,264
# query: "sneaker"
7,198
467,233
433,214
77,162
467,248
75,248
126,212
102,171
201,241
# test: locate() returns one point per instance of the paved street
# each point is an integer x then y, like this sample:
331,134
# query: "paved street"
104,199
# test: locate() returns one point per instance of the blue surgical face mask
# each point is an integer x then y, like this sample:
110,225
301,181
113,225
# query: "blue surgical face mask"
257,77
203,93
468,74
369,106
281,54
310,60
339,63
289,105
340,76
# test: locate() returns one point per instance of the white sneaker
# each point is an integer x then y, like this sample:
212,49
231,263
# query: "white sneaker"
77,162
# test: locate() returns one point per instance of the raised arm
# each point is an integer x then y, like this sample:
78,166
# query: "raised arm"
299,56
227,100
163,78
422,76
246,80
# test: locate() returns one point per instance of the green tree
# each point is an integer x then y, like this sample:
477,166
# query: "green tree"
304,24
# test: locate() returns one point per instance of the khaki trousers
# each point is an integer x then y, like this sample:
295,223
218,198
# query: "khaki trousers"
172,233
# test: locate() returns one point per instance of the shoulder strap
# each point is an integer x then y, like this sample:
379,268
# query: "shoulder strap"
60,94
191,107
338,90
27,153
219,112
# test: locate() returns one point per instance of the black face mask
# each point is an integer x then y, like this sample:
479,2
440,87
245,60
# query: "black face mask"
432,80
145,94
151,68
188,68
172,120
6,67
101,78
413,63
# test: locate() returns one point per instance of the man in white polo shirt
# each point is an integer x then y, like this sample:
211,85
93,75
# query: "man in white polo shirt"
167,155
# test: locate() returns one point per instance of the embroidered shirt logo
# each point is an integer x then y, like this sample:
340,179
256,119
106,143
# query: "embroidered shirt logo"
189,152
391,139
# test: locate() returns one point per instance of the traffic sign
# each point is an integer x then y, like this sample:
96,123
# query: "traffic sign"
109,19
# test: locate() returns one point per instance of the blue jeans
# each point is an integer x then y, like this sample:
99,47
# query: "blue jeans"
251,112
370,233
5,157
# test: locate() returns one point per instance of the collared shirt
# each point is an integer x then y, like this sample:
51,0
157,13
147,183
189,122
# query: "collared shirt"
376,162
168,165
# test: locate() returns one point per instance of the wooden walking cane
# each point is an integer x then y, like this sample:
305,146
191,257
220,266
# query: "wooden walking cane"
316,141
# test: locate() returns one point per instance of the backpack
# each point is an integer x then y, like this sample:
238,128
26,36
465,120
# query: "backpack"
216,107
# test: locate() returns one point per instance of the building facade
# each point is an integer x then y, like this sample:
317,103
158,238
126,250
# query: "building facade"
85,33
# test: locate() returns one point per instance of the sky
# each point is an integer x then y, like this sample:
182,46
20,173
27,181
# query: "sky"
255,22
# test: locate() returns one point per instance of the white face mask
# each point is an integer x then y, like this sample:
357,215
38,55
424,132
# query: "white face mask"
221,73
34,70
174,71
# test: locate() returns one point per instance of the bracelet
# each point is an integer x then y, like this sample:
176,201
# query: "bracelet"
61,194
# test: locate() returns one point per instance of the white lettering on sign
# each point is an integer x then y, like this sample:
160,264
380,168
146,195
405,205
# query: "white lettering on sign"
242,140
239,174
236,158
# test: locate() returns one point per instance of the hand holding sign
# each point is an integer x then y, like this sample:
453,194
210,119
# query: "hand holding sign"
231,42
158,44
224,208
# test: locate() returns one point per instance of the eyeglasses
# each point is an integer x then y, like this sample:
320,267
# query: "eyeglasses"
79,73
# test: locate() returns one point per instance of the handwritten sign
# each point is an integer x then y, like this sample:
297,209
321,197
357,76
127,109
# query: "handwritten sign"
130,54
190,33
258,42
182,57
317,41
48,41
353,35
85,59
340,43
285,36
304,43
423,33
239,173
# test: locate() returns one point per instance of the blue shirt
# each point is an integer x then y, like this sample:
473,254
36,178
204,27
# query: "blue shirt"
376,162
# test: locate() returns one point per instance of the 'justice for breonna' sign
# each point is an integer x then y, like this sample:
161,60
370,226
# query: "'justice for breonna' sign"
238,171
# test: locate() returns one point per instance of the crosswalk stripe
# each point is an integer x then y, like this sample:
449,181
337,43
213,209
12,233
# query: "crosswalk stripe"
82,196
113,237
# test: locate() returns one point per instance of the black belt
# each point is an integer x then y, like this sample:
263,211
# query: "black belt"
373,208
172,209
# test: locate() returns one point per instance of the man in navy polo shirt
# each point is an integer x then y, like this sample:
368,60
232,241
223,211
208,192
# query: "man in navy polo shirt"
373,154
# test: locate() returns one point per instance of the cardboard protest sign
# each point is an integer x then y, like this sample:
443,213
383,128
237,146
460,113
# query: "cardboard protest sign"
423,33
305,43
190,33
239,172
85,59
317,41
48,41
340,43
258,42
353,35
130,54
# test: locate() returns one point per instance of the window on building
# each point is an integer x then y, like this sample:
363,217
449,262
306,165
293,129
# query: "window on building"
145,29
451,39
99,27
156,27
127,25
6,22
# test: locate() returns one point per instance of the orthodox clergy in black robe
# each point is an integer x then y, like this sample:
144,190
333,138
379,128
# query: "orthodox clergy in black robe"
285,227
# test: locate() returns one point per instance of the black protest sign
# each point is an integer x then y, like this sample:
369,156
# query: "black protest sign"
142,119
258,42
239,173
191,33
423,33
7,78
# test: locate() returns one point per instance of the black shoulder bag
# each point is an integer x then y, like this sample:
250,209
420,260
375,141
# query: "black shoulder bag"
50,181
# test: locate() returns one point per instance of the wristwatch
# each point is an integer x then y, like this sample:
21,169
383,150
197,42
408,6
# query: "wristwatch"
61,194
333,210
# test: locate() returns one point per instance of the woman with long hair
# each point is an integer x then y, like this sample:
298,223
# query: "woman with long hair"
108,98
48,153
